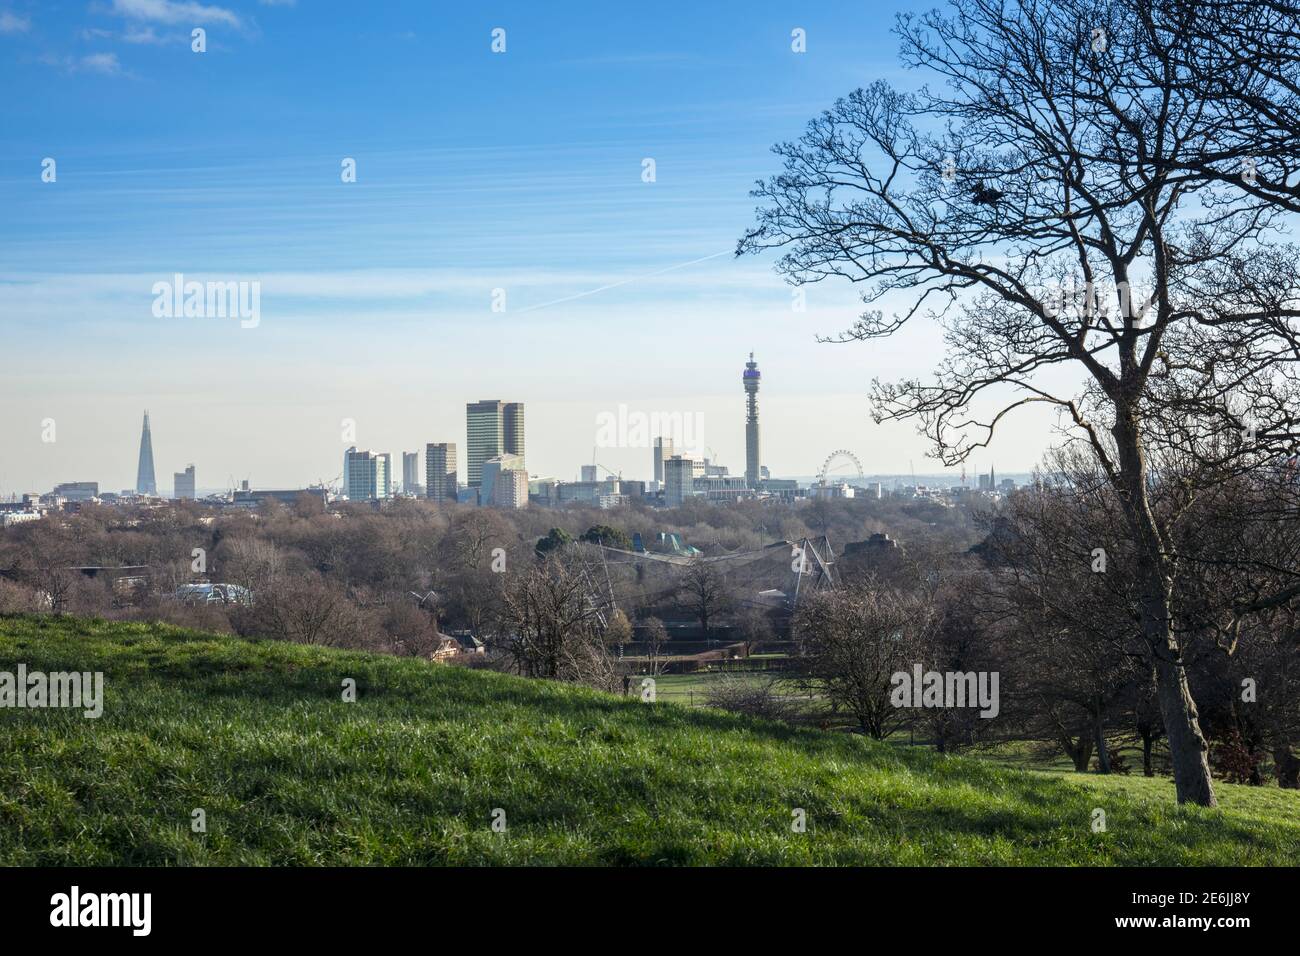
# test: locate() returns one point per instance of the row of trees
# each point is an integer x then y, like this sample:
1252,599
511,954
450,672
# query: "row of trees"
1052,604
1093,198
1046,599
388,580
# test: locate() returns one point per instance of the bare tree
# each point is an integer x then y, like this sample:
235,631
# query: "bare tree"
618,630
656,641
254,563
469,575
1072,641
754,626
853,640
1073,154
306,610
551,627
18,599
47,562
749,694
703,590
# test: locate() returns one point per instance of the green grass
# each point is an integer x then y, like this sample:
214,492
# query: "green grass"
688,689
257,735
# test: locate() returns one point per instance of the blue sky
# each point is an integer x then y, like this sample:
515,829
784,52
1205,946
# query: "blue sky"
476,171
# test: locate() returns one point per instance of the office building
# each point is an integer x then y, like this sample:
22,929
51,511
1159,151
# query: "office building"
411,473
663,450
76,490
492,428
288,497
786,489
513,426
366,476
544,492
183,483
510,489
504,482
588,472
440,471
144,478
721,487
586,492
679,480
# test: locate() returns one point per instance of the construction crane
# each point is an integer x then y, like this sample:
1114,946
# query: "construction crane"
608,470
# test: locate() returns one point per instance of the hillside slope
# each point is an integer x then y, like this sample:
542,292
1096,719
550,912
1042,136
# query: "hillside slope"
257,735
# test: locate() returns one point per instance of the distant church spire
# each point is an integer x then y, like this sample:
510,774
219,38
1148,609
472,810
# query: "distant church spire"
144,479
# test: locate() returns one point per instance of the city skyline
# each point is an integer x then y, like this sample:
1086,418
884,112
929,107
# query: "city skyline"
530,193
510,441
187,486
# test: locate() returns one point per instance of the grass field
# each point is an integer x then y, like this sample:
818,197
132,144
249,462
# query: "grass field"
256,735
688,689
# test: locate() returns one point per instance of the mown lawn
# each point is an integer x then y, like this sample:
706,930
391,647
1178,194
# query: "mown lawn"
257,735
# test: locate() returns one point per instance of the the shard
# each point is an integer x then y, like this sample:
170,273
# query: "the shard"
144,480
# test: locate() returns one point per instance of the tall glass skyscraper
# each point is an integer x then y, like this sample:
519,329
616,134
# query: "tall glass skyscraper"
144,479
492,428
367,476
411,472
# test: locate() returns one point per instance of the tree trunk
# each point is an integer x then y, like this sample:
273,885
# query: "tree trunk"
1148,769
1286,766
1103,752
1079,753
1188,750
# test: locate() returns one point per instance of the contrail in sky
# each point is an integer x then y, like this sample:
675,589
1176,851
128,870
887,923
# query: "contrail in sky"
615,285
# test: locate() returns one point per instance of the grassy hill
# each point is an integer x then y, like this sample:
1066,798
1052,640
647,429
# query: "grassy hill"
257,735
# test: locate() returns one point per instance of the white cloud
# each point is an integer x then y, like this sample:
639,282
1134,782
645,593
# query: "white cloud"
12,23
174,12
142,35
137,35
105,63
